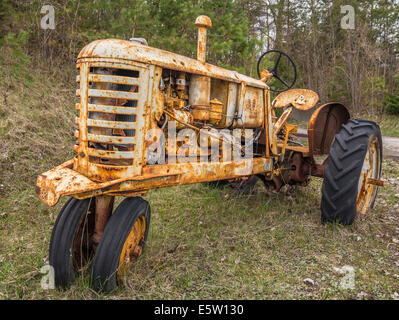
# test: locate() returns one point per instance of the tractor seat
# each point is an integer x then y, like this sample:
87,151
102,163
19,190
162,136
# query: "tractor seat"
301,99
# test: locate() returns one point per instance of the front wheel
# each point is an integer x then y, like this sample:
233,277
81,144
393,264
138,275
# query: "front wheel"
122,242
70,243
352,172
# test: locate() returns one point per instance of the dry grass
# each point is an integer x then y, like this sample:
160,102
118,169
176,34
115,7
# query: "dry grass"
203,242
389,124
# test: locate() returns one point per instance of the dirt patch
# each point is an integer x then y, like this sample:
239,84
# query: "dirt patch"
391,147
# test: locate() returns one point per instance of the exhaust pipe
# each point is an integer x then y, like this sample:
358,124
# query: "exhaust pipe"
200,86
203,23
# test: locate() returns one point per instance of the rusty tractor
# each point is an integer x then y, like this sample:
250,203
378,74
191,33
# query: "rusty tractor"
149,118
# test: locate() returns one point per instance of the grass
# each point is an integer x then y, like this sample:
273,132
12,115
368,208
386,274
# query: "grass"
389,125
261,246
204,243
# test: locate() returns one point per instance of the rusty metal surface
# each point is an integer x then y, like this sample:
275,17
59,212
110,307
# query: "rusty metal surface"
215,111
103,211
203,23
250,110
301,99
289,128
324,124
301,169
121,50
282,120
370,175
182,117
301,149
231,105
63,180
376,182
113,122
199,97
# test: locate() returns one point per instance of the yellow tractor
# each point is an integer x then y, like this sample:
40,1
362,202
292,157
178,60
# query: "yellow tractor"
150,118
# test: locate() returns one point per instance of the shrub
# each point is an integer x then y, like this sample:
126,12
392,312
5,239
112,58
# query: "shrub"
391,103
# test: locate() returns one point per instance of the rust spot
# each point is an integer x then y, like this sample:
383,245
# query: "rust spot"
324,124
104,205
301,99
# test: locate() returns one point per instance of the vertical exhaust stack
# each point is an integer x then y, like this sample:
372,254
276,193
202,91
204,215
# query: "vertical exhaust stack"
203,23
200,86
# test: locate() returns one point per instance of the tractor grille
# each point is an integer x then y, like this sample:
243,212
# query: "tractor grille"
112,102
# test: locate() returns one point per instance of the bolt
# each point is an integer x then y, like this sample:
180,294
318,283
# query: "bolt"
137,251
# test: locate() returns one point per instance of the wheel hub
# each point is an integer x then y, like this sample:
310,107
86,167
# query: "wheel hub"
132,248
369,177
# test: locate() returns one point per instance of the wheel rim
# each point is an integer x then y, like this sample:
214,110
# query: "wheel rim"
133,246
371,170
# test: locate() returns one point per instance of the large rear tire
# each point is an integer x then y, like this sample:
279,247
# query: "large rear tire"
354,162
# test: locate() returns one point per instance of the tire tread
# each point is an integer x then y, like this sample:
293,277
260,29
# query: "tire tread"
342,172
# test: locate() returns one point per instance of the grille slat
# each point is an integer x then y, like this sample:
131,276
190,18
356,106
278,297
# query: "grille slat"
110,124
94,93
111,139
111,154
113,79
113,109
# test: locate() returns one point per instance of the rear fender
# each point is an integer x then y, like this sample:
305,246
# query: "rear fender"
324,124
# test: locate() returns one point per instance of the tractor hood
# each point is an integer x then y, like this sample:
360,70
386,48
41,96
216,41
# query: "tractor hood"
134,51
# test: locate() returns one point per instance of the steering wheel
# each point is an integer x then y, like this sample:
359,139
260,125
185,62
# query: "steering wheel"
275,72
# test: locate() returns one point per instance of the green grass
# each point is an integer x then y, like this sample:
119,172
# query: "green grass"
390,125
204,243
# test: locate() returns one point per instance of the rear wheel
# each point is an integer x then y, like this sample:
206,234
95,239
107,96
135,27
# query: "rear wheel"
352,172
122,243
70,243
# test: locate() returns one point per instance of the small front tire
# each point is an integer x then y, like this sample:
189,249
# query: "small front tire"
122,242
70,244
